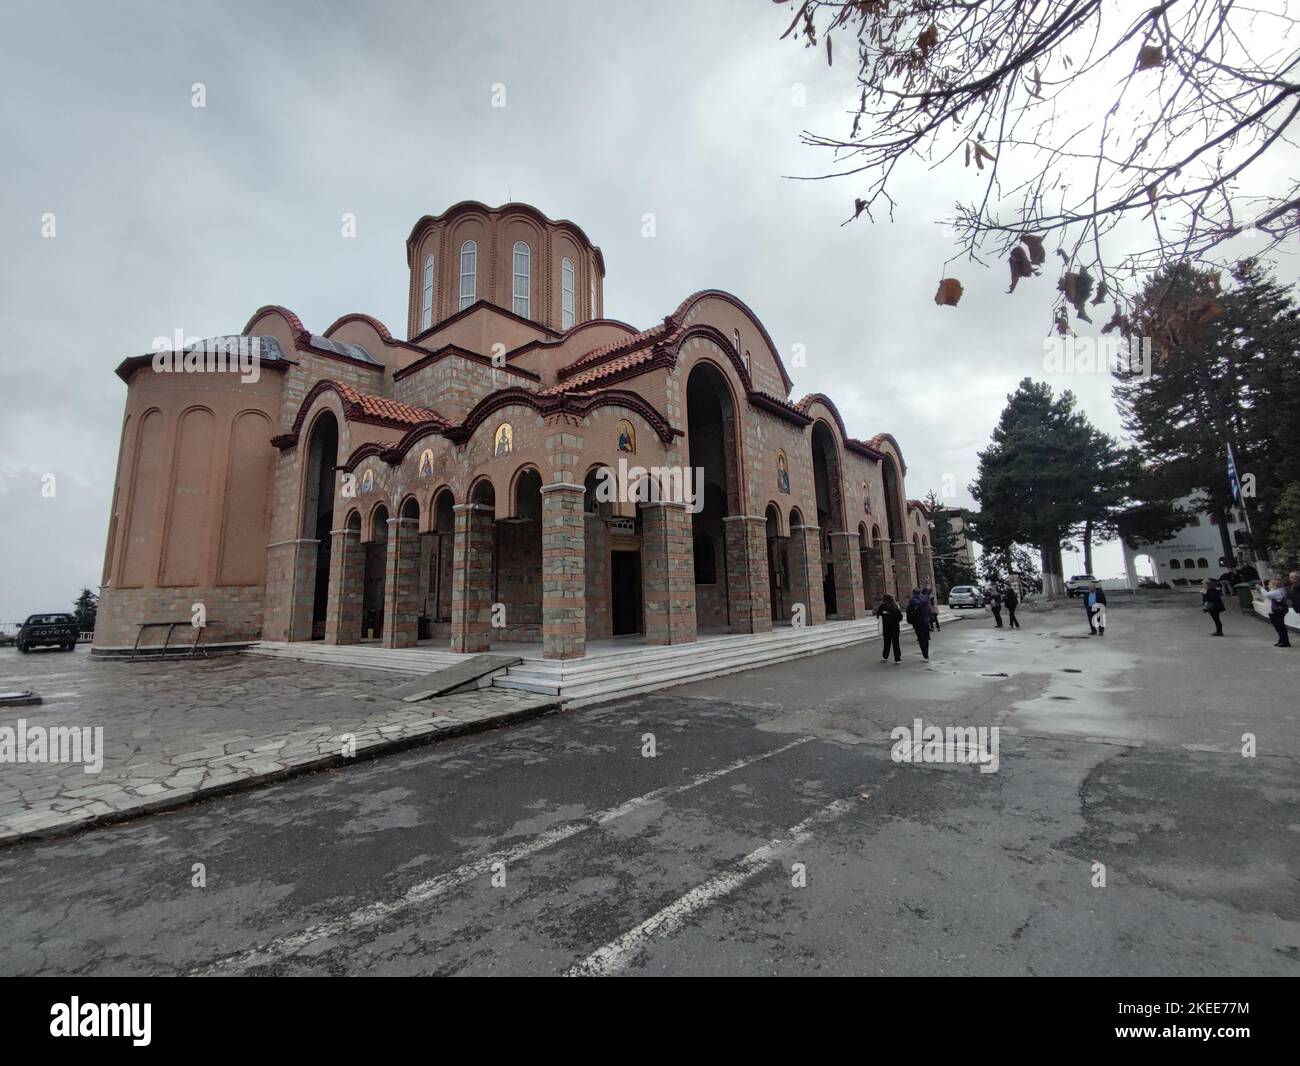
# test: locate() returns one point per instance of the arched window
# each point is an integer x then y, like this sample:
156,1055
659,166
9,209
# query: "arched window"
523,279
1189,564
568,302
593,295
706,572
468,274
1174,564
1202,563
735,336
426,300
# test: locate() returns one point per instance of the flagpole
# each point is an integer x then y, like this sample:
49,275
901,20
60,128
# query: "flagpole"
1240,498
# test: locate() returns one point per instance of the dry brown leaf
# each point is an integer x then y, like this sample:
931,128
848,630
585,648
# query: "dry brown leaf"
1037,255
1020,268
1152,55
928,39
1076,287
949,293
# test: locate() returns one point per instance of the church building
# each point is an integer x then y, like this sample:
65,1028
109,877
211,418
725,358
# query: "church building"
521,471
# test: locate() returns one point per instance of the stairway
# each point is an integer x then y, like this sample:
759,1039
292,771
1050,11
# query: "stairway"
642,668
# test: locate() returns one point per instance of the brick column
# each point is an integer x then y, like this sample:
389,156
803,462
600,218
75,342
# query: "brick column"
402,583
600,623
925,570
347,572
873,580
748,595
904,569
471,579
302,599
564,559
806,573
667,573
847,565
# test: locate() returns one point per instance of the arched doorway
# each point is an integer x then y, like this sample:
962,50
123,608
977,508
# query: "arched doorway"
830,508
711,440
372,588
864,560
441,554
778,564
318,510
519,567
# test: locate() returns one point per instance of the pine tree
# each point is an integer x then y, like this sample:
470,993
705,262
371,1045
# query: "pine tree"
950,565
85,609
1036,478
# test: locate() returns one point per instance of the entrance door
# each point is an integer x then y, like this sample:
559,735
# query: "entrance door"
774,585
625,585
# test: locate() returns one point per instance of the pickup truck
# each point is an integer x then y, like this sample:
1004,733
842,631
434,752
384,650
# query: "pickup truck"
47,629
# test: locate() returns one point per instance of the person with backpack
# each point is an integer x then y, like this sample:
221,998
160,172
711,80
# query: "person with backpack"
1011,599
891,620
918,617
1212,604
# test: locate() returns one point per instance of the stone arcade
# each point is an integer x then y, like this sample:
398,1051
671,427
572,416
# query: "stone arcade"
443,489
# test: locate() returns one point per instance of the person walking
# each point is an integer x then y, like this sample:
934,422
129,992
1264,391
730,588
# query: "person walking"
891,620
918,617
1277,608
1295,591
995,605
1212,604
1096,603
1011,599
934,610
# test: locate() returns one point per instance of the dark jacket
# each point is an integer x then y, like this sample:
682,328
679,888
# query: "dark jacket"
890,617
1011,599
1213,600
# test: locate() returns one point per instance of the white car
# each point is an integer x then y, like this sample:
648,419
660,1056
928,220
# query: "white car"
1079,584
965,596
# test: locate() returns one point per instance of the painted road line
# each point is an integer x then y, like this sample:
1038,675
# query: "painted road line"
381,910
614,956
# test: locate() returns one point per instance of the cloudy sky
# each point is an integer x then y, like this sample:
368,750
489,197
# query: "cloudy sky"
171,217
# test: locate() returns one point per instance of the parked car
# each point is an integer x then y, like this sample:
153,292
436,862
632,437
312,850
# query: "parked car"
965,596
1079,584
43,630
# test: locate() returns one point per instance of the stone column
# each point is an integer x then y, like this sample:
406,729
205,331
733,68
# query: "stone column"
471,579
806,573
904,569
564,559
874,579
600,623
347,572
667,573
302,600
402,583
925,570
748,596
847,565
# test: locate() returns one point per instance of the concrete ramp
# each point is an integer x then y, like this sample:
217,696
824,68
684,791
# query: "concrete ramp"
472,672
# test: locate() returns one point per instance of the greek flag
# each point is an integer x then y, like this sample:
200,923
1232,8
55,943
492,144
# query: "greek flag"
1233,480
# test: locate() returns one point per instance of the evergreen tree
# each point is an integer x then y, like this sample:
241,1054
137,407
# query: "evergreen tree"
1228,371
85,609
1036,479
950,565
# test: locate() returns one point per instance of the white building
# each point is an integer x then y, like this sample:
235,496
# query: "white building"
1192,554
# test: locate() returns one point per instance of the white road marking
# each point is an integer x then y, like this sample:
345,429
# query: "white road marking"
435,886
614,956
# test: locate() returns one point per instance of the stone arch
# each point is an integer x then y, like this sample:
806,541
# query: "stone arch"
316,517
828,487
778,563
373,592
483,492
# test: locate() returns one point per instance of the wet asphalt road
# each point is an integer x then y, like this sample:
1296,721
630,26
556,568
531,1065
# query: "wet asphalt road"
770,833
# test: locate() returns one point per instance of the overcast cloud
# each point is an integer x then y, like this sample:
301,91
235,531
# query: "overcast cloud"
174,217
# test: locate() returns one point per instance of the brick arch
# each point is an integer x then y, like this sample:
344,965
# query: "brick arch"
368,528
512,502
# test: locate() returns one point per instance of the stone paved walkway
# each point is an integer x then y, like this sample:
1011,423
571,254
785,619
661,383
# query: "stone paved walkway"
175,731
